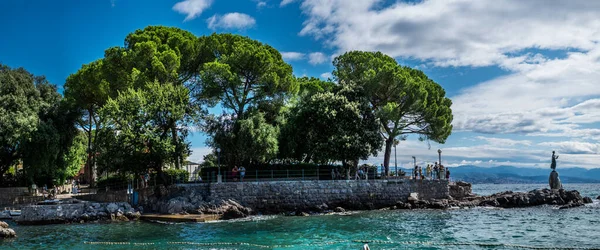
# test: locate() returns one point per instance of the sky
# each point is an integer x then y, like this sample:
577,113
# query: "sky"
524,76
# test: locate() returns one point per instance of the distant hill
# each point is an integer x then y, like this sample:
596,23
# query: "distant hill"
517,175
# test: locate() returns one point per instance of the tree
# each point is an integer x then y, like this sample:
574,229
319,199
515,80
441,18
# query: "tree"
88,90
244,73
166,55
405,100
19,106
247,78
137,135
332,127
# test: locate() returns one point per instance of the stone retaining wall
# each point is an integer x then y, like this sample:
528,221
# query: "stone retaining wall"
278,196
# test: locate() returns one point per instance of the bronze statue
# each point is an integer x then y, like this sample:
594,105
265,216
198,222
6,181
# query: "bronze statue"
553,164
554,181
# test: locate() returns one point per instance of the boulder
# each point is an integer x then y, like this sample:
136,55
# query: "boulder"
339,210
233,210
587,200
413,197
598,197
112,208
321,208
554,181
6,232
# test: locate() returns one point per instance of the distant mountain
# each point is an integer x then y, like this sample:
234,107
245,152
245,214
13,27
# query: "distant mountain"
517,175
510,174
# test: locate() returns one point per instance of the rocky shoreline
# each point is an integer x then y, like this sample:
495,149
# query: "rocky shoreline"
461,196
77,212
186,201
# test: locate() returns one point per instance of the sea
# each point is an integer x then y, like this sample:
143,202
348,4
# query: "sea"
542,227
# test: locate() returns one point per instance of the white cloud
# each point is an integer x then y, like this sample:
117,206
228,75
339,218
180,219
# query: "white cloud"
192,8
503,142
533,98
454,33
233,20
198,154
261,4
286,2
326,75
316,58
292,56
573,147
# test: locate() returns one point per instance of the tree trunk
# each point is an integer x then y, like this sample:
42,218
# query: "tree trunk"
88,163
389,143
177,147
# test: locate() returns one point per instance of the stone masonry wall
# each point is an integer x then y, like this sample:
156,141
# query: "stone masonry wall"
279,196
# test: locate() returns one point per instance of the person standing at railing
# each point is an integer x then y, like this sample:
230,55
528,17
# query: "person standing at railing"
242,173
234,173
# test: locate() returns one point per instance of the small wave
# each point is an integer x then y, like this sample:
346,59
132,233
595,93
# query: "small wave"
247,219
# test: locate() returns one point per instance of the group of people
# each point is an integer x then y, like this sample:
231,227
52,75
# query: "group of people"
241,171
432,171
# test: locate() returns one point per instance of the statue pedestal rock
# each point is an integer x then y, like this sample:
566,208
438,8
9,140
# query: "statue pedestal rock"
554,180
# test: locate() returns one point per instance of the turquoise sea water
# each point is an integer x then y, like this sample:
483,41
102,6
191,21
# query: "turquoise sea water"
478,228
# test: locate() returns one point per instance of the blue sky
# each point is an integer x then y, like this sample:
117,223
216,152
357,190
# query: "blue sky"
524,76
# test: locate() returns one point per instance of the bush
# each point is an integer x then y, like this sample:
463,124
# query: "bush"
173,176
114,182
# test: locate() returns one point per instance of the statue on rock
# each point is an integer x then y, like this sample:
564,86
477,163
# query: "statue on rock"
554,180
553,164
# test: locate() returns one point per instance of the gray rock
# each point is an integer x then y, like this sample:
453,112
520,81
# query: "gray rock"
7,233
587,200
339,210
554,181
112,208
413,197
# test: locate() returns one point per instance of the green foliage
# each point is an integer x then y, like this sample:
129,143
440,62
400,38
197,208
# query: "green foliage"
139,128
244,73
404,100
52,154
329,127
173,176
38,127
245,141
252,82
19,106
115,182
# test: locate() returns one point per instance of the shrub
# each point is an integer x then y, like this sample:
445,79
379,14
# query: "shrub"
173,176
114,182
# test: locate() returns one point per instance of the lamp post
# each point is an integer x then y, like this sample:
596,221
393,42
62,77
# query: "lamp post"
219,178
440,156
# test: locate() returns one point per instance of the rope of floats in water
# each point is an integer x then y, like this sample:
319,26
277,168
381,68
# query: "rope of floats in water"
345,241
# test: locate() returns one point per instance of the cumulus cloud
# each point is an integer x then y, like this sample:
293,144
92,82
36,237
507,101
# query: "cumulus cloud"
326,75
292,56
573,147
198,154
503,142
192,8
456,33
532,98
261,4
316,58
233,20
286,2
